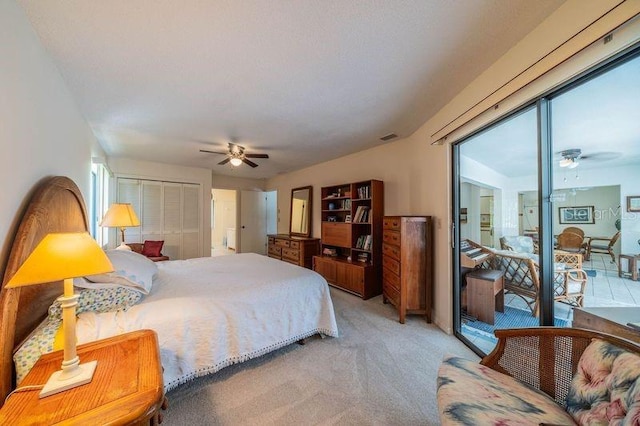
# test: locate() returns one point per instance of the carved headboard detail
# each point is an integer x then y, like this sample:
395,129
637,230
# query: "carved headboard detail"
56,206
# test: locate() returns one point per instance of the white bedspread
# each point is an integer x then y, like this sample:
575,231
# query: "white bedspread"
216,311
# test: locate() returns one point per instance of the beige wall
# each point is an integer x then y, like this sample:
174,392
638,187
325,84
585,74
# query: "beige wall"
231,182
417,176
42,132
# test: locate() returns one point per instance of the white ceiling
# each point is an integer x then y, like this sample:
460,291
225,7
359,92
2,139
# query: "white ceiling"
303,81
601,117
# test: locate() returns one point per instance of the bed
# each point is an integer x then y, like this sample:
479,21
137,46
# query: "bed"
208,312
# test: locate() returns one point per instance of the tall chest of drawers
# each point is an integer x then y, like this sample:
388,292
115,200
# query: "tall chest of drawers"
407,264
296,250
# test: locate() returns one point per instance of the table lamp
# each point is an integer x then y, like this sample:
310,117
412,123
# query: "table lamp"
120,215
64,256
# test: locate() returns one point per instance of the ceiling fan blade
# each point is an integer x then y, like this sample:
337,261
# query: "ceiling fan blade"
225,161
249,162
213,152
256,155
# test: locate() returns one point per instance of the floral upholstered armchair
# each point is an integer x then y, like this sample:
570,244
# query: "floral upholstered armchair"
544,375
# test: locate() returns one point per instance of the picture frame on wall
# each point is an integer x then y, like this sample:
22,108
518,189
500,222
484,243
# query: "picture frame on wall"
576,215
633,203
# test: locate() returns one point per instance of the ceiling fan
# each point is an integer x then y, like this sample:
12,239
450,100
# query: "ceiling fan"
571,156
236,155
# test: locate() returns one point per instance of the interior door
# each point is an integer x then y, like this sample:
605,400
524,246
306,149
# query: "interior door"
253,222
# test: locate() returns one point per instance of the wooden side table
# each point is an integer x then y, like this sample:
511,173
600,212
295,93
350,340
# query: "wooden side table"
485,294
126,387
632,263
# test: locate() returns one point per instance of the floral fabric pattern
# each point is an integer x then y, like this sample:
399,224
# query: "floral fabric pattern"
472,394
105,299
606,387
41,341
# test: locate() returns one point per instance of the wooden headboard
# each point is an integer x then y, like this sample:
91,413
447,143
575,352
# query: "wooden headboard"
56,206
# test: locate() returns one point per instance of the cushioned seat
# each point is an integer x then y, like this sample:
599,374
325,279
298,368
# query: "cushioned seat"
517,243
151,249
473,394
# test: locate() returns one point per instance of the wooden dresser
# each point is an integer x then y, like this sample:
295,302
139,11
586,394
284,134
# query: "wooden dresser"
296,250
407,269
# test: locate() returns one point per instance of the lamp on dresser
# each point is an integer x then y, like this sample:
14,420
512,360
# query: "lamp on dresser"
120,215
64,256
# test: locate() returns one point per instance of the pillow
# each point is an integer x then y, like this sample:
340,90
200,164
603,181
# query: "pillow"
130,270
103,299
39,342
152,248
606,386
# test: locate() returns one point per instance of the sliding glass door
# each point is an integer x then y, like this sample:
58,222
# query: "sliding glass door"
495,167
542,224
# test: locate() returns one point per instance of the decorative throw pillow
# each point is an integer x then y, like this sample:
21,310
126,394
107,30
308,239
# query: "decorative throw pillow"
606,387
102,299
152,248
39,342
131,269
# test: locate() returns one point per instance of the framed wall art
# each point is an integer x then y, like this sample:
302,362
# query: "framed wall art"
576,215
633,203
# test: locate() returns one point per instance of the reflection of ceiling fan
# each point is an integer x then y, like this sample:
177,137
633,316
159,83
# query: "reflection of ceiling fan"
236,155
570,157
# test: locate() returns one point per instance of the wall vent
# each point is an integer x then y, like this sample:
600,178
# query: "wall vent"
388,137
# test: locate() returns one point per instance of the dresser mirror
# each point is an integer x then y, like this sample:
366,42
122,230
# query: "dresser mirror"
300,224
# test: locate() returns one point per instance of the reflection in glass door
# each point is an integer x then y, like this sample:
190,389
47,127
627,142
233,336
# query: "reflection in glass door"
499,252
549,234
595,131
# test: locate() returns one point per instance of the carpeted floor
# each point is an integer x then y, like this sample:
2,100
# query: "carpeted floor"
378,372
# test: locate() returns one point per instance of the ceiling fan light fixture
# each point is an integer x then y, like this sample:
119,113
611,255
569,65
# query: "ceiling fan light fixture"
235,161
574,164
566,162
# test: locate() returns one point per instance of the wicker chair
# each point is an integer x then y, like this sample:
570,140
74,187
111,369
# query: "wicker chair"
522,277
575,230
527,379
571,242
554,351
602,245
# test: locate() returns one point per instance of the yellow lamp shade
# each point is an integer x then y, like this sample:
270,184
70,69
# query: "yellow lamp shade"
62,256
120,215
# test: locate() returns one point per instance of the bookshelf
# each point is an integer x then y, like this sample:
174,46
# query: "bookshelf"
351,240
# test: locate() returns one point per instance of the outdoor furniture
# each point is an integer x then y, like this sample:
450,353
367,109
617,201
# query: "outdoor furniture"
543,375
632,266
522,276
575,230
602,245
517,243
571,242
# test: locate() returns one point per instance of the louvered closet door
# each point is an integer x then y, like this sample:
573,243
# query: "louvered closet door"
191,245
172,222
129,192
151,219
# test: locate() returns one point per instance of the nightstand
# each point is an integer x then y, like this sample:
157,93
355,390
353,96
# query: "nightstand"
126,387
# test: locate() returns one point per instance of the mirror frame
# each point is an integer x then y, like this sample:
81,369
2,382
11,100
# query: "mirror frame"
309,210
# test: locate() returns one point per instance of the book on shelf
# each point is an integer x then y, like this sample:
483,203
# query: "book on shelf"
364,192
367,242
362,214
363,257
